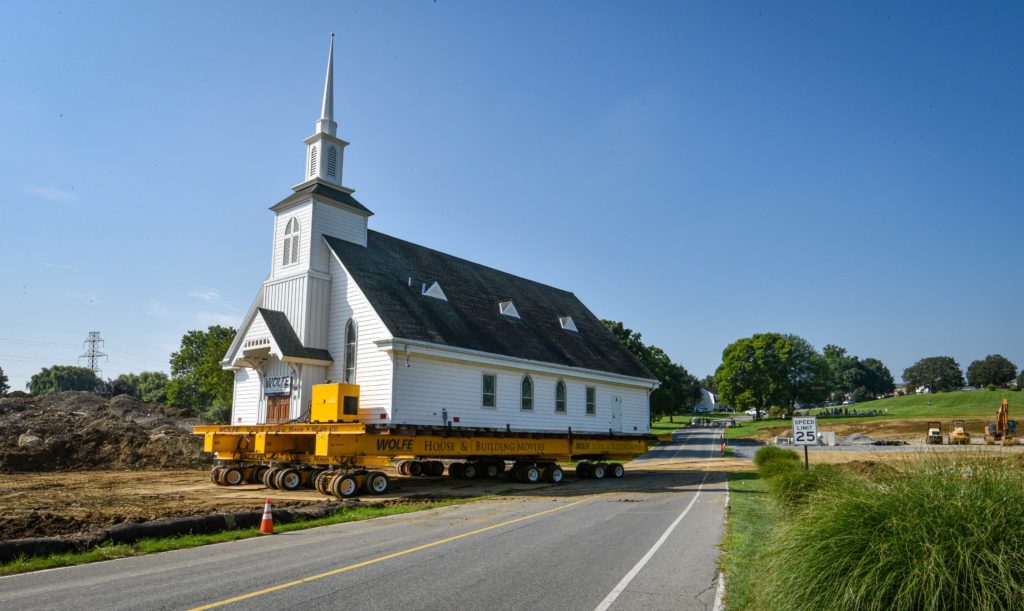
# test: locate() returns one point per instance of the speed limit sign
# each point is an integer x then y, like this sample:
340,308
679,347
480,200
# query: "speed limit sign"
805,431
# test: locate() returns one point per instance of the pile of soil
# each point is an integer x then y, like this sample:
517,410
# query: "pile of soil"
82,430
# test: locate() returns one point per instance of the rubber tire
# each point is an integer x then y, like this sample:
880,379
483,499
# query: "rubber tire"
531,474
344,486
457,470
616,470
599,471
256,477
289,479
489,469
554,474
311,478
215,474
232,476
377,483
469,471
403,467
501,466
268,477
319,481
416,468
436,468
585,470
517,474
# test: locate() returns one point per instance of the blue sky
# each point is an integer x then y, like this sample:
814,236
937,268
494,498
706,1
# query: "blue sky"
849,172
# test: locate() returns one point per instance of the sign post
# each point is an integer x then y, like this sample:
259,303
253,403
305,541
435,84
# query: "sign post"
805,433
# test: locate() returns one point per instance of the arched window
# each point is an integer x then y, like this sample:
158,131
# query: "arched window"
332,162
312,161
291,243
350,352
560,397
527,394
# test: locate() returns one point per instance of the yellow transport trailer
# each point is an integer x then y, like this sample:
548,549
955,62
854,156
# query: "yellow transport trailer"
336,454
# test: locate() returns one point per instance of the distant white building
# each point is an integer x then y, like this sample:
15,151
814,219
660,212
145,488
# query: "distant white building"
429,338
708,402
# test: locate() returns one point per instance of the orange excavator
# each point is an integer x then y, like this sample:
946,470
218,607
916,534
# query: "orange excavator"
1003,430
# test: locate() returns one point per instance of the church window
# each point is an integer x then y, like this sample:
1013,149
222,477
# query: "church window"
332,162
312,161
350,352
527,394
591,401
291,243
560,397
490,383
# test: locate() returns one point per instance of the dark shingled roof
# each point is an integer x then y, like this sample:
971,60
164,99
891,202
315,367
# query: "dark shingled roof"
287,340
470,318
326,192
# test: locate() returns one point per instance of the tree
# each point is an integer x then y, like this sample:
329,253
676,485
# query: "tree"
60,378
1020,380
993,369
939,373
709,384
753,372
878,378
807,374
679,391
148,386
198,383
4,386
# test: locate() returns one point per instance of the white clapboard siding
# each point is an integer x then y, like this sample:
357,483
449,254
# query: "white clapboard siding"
426,386
373,365
304,213
245,402
337,223
257,330
317,317
289,296
303,395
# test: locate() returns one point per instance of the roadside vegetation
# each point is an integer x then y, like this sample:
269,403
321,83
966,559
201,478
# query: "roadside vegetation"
938,531
956,404
151,546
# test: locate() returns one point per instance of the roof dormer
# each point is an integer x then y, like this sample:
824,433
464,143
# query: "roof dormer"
508,308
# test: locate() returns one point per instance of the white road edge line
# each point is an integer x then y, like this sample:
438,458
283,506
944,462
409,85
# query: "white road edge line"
618,589
720,590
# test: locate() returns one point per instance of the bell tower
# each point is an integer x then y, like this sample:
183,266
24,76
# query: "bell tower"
325,151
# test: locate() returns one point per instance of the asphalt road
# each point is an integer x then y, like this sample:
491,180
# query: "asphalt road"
646,541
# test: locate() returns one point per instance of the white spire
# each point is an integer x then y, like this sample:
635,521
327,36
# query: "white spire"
326,124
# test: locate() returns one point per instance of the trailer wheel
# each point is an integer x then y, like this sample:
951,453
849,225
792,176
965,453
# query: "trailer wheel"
232,476
376,483
289,479
215,474
310,478
318,482
344,486
501,466
489,469
256,475
584,470
403,467
415,468
457,470
599,470
554,474
517,473
469,470
616,470
531,474
436,467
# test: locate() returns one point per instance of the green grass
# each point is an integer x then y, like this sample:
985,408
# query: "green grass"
663,426
751,519
943,533
150,546
956,404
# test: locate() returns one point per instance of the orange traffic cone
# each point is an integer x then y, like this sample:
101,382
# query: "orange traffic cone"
267,523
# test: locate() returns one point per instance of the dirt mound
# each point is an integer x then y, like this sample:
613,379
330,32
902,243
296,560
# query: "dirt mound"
81,430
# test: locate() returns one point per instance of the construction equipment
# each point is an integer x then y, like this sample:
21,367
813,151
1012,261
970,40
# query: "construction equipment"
334,452
1003,430
958,434
934,435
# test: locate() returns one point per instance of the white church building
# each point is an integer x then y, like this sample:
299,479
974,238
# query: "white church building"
429,338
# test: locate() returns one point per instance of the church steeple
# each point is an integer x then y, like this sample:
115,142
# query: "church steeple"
324,150
327,124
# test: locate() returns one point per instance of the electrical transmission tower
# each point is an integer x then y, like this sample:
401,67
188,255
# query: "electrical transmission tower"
92,354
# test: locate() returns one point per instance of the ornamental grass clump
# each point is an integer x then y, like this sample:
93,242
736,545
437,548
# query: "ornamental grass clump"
793,486
770,453
939,532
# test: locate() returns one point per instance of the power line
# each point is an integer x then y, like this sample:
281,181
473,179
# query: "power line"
32,342
92,354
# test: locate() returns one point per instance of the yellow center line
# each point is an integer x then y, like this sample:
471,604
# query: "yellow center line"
383,558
